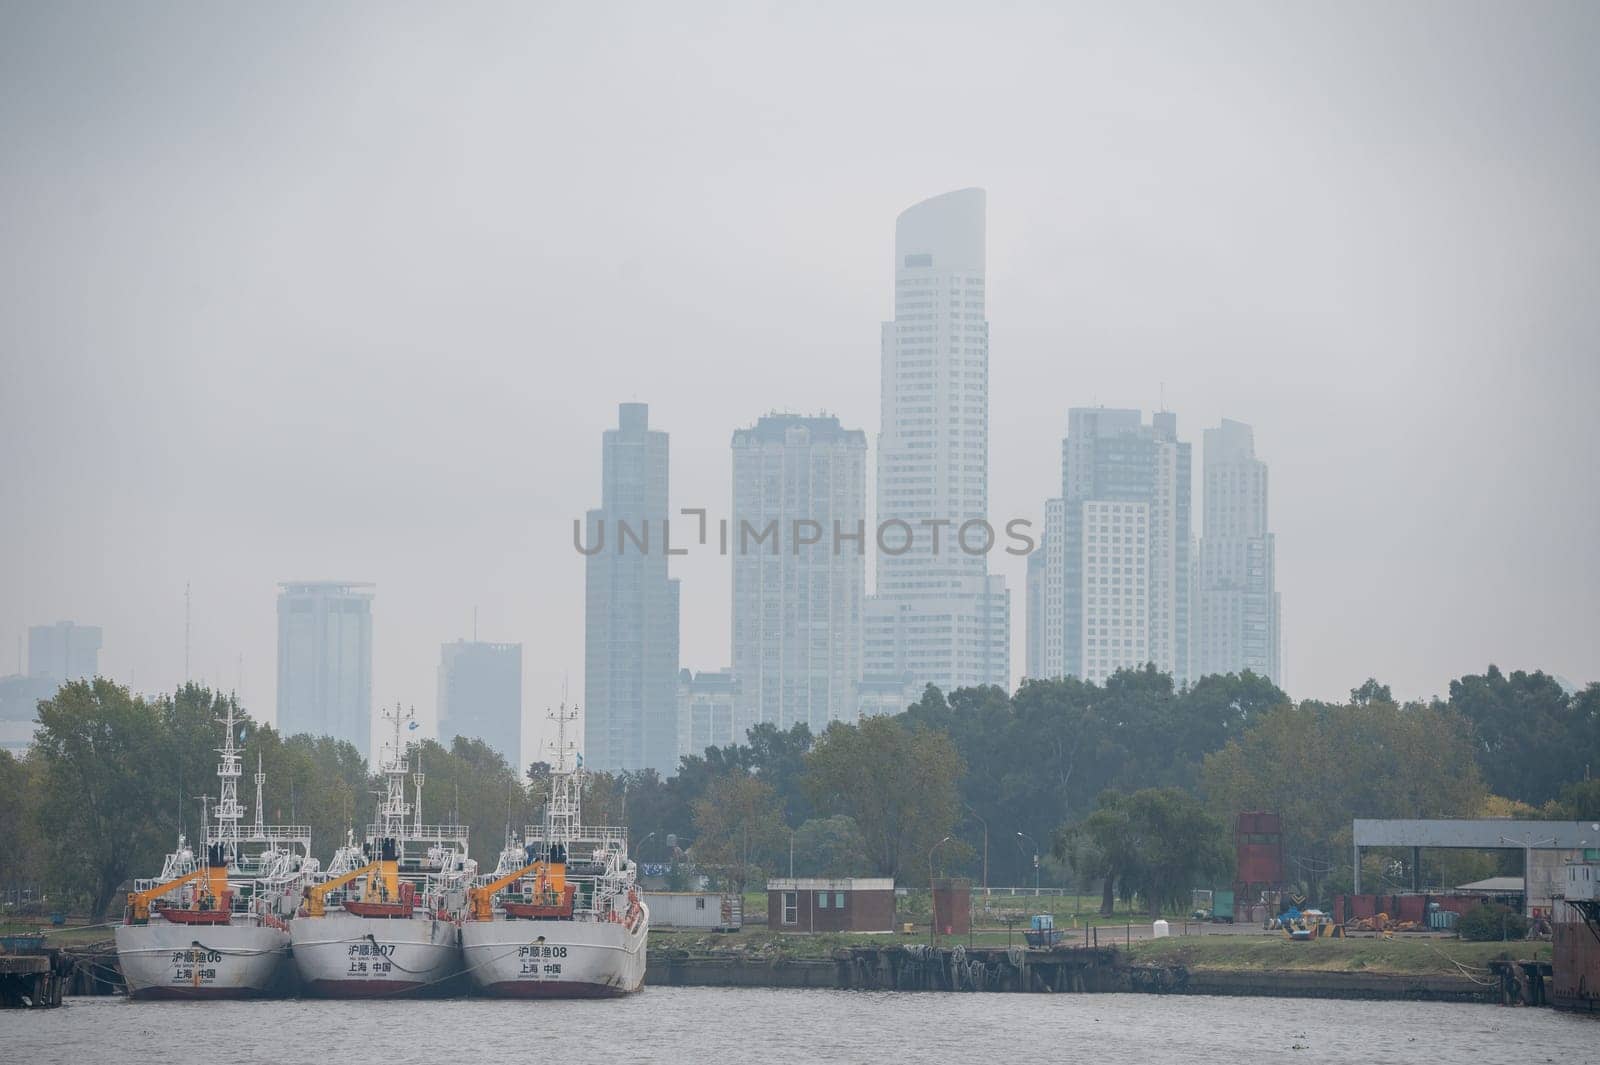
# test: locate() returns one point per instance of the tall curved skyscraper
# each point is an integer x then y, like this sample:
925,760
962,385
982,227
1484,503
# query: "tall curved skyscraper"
939,617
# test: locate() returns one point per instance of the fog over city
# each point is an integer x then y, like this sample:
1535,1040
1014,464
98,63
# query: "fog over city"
339,292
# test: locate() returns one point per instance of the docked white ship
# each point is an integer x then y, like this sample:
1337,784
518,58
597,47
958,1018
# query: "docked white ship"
385,920
561,916
213,925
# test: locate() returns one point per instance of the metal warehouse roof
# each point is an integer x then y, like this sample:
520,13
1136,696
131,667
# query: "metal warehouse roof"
1495,885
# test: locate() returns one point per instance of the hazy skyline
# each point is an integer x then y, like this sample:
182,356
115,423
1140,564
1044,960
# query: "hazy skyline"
339,293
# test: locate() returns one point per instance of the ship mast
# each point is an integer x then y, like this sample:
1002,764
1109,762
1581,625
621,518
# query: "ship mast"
418,776
565,812
229,812
392,814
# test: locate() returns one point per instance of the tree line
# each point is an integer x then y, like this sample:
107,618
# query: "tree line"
1127,788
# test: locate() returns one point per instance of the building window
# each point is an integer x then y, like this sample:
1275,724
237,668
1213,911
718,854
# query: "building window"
790,910
838,900
822,900
699,904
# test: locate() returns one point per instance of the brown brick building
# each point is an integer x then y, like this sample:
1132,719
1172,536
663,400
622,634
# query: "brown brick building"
815,904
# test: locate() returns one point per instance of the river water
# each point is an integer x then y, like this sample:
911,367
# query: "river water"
716,1026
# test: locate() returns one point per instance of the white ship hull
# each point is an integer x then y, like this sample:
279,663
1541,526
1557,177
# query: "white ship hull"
340,955
555,959
166,960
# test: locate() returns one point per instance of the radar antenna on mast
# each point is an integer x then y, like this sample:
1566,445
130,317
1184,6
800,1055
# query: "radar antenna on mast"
261,807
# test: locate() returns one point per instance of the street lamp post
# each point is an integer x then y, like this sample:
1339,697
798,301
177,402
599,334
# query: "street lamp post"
639,850
933,896
1024,836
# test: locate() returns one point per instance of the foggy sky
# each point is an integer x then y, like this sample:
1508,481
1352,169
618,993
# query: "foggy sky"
298,292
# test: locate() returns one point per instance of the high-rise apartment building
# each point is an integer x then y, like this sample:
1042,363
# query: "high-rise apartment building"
480,696
64,651
1114,581
325,660
938,614
798,542
1237,608
631,606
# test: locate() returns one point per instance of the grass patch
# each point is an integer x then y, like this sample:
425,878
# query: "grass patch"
67,936
1408,956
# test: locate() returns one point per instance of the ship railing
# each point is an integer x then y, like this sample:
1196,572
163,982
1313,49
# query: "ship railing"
268,834
427,833
611,838
279,834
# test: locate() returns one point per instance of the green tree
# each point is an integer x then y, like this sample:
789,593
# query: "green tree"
102,752
1112,849
1322,766
319,782
1488,923
191,722
830,846
739,826
1178,845
21,857
472,785
779,756
1578,801
1214,710
900,785
1157,843
1530,736
1371,692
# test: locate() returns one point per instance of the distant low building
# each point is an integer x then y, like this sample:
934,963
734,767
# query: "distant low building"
715,911
19,707
877,696
64,651
818,904
710,711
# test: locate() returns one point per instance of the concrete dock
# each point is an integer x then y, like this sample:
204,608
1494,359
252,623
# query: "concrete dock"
30,981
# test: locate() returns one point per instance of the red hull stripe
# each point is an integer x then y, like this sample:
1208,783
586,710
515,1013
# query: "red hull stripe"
550,989
195,992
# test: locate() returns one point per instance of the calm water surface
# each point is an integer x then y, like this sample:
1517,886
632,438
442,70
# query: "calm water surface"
714,1026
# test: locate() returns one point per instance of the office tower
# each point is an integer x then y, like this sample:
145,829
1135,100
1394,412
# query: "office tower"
710,712
325,660
631,606
64,651
1122,526
1237,597
938,614
799,568
480,696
